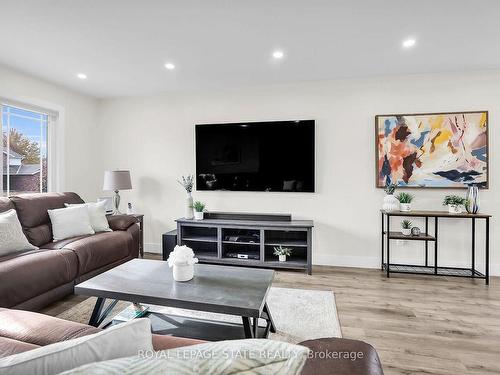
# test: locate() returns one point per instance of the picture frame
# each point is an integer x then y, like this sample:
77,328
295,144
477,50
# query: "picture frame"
432,150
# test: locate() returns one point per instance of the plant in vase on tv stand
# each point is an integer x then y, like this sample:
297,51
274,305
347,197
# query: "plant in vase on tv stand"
406,226
199,208
455,203
282,252
405,200
187,182
391,203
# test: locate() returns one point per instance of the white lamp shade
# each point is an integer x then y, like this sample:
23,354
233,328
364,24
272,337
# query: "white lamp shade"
117,180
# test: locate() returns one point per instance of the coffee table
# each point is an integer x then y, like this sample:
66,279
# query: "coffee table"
236,291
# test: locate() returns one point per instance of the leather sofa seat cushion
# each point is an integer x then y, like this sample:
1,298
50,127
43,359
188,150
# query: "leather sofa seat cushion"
57,245
32,212
5,204
29,274
11,346
100,249
38,329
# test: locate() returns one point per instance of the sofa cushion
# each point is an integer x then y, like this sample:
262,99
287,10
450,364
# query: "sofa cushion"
11,346
96,251
119,341
29,274
32,212
121,222
39,329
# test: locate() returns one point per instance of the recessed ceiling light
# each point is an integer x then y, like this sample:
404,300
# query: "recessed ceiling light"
81,76
170,66
278,54
408,43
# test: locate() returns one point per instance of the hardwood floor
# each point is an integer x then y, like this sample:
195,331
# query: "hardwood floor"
418,324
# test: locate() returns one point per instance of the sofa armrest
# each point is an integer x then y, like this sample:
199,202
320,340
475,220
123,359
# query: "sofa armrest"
121,222
165,342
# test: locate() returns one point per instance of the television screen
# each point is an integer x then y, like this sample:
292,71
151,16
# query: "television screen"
256,156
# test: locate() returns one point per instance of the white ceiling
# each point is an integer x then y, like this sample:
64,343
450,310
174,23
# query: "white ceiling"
122,45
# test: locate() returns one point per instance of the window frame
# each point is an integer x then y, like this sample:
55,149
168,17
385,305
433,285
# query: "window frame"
55,137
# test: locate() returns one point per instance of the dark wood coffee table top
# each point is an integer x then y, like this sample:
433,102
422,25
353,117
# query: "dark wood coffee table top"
220,289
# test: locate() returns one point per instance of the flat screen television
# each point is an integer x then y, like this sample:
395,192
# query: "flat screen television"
256,156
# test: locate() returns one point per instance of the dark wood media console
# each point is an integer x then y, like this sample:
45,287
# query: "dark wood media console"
220,239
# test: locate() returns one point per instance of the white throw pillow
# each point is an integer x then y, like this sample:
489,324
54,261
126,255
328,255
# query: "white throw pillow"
12,238
245,357
70,222
97,213
122,340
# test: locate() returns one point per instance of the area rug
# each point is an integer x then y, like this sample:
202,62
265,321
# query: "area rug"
299,314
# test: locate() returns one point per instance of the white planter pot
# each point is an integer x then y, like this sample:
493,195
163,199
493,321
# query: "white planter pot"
184,272
391,203
198,215
405,207
455,209
406,232
282,258
188,214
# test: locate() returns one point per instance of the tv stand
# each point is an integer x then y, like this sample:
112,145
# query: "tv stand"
248,239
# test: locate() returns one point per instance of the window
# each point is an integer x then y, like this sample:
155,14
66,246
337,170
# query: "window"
24,150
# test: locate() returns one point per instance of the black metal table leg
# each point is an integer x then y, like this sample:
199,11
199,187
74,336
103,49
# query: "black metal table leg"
247,327
383,234
266,314
255,327
473,263
96,313
426,241
436,246
388,229
487,273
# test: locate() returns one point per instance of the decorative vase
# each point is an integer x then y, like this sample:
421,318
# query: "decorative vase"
183,272
189,207
198,215
405,207
406,231
472,205
391,203
454,209
282,258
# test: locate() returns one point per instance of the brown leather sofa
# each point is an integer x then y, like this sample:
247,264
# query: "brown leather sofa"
21,331
34,279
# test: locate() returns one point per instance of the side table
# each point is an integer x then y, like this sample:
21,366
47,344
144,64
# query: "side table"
140,221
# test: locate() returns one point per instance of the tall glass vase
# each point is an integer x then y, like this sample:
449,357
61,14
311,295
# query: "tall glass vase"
472,205
189,213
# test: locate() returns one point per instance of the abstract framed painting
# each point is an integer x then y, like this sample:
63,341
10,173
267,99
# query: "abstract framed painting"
432,150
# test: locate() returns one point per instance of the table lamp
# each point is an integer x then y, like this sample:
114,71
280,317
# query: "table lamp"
116,181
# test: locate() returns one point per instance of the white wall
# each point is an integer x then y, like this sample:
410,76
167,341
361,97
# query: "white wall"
154,137
76,128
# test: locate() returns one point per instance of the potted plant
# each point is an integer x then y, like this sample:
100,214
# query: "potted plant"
406,227
199,207
282,252
455,203
187,183
405,200
391,203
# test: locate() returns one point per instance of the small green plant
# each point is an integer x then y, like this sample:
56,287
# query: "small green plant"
280,250
187,182
406,224
389,189
454,200
405,198
199,206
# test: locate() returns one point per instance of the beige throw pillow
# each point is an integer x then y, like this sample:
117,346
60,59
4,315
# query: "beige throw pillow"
97,213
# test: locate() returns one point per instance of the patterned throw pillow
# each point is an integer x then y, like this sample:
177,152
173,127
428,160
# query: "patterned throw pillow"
12,238
256,356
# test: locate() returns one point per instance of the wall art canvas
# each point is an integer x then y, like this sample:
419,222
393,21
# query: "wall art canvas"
437,150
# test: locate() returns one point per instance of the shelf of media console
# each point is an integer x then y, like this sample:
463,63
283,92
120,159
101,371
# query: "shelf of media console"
210,245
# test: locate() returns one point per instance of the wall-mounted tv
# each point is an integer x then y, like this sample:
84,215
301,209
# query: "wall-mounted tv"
256,156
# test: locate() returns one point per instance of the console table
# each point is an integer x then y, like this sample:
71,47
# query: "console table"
248,240
426,237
